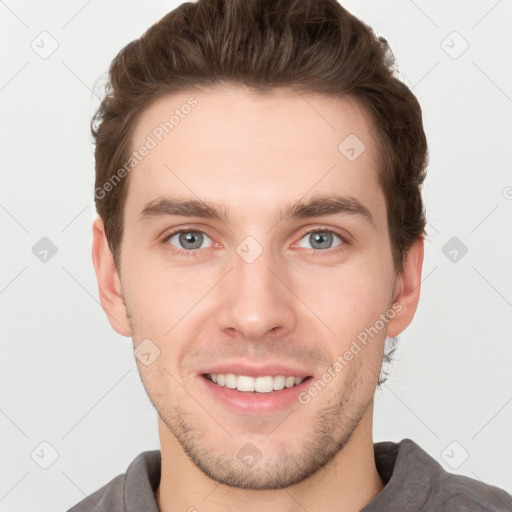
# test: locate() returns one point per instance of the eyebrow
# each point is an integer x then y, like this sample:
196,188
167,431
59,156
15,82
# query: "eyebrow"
317,206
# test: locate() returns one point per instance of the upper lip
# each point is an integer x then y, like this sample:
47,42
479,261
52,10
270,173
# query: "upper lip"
254,370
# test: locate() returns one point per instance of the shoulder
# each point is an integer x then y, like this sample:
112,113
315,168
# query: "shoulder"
467,494
135,487
454,493
109,497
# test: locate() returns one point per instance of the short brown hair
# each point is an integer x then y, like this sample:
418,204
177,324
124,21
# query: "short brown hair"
312,46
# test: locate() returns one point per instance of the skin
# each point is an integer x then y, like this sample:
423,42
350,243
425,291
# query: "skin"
293,304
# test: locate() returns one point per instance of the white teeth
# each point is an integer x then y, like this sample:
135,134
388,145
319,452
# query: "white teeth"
244,383
289,382
265,384
279,382
230,381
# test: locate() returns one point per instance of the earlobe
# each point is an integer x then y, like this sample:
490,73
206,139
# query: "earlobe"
109,284
407,291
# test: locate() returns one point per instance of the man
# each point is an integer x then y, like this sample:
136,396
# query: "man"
260,237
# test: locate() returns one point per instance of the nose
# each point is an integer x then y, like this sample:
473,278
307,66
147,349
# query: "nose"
255,299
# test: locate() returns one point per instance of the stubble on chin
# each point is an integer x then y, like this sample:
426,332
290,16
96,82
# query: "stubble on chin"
331,429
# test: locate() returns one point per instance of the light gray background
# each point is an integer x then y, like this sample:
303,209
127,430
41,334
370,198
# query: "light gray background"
69,380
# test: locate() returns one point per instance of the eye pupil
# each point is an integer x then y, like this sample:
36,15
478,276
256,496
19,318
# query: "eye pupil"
323,238
192,237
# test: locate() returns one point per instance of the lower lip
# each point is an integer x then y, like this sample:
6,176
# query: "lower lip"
255,403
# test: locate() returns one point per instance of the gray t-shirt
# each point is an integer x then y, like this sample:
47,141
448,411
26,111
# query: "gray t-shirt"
414,482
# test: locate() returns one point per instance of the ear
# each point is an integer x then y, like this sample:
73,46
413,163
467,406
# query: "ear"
109,284
407,290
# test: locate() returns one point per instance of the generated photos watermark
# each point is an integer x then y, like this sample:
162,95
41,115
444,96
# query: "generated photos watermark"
343,360
152,140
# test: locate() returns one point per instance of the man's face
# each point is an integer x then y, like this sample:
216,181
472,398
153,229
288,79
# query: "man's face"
252,293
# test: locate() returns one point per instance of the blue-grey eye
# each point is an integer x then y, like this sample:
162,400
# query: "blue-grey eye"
190,240
321,239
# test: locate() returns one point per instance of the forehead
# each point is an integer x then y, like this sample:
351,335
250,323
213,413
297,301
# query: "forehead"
253,151
229,118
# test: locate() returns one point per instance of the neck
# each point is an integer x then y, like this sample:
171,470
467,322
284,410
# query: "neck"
347,483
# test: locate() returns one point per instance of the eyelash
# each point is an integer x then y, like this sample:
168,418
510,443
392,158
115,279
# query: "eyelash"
194,253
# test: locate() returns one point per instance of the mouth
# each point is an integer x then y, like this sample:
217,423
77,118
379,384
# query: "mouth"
243,388
260,385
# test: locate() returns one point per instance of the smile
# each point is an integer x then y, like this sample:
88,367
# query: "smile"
263,384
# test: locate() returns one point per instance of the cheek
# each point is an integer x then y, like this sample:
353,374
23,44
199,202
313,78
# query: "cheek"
351,303
161,294
348,295
170,307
